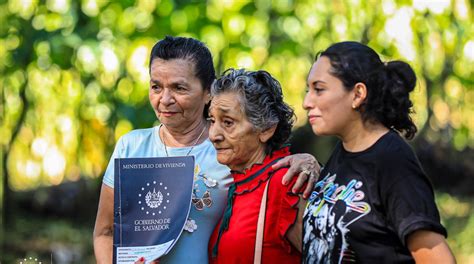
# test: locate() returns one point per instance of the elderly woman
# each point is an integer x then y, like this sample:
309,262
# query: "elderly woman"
250,124
374,203
181,74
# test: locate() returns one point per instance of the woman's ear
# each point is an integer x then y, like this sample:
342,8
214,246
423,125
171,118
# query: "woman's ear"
207,97
267,134
360,93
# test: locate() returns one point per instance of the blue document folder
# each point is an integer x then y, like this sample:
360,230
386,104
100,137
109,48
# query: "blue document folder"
152,199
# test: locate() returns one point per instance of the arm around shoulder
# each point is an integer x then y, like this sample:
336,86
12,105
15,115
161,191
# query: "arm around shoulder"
103,230
429,247
305,167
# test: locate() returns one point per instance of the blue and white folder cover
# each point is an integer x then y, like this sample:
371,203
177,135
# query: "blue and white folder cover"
152,199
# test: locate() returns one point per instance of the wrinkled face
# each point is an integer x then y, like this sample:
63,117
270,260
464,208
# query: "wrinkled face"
328,103
176,94
234,137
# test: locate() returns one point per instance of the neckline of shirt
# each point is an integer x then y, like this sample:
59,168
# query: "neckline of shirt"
241,176
367,150
181,151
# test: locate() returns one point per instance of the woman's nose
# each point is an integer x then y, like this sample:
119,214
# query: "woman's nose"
307,102
167,97
214,134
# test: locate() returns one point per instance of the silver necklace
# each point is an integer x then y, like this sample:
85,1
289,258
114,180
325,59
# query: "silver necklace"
192,146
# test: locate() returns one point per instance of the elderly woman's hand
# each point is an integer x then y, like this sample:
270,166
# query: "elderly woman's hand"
307,168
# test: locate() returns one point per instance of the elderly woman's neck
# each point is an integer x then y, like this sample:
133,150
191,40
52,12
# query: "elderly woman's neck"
257,157
194,134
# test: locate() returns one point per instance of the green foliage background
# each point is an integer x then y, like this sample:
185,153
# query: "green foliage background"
74,78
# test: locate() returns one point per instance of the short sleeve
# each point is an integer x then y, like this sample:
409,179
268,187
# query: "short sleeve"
109,172
288,210
407,195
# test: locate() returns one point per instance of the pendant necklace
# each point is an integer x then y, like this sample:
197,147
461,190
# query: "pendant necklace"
205,200
192,146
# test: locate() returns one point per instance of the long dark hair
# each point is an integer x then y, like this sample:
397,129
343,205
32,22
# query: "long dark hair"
388,84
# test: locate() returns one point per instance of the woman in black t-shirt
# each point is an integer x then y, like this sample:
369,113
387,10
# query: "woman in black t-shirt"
373,203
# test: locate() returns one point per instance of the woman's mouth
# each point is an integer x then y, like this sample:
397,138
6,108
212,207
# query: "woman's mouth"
312,118
167,114
219,150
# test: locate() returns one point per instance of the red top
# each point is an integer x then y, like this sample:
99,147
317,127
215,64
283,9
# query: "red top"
237,243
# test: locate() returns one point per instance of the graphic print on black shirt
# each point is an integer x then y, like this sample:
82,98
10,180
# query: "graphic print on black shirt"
332,209
367,205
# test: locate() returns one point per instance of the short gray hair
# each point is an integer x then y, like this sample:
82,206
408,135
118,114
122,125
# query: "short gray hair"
261,99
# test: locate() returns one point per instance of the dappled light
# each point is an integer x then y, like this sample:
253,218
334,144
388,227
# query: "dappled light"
106,61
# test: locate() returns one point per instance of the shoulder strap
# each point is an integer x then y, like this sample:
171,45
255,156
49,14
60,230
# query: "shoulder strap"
260,226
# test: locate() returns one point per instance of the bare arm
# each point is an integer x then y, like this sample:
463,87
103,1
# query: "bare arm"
305,166
295,233
429,247
103,230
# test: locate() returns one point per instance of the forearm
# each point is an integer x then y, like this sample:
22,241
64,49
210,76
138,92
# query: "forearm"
103,248
103,230
295,233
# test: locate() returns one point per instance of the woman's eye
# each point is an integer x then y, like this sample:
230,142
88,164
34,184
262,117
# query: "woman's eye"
228,123
211,120
155,88
318,90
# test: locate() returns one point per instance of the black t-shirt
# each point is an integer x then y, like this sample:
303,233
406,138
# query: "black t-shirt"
366,205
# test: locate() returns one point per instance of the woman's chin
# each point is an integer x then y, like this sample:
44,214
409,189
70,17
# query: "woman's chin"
223,160
318,131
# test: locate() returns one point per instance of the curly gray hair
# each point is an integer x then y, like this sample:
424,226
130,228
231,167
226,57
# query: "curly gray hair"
261,99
